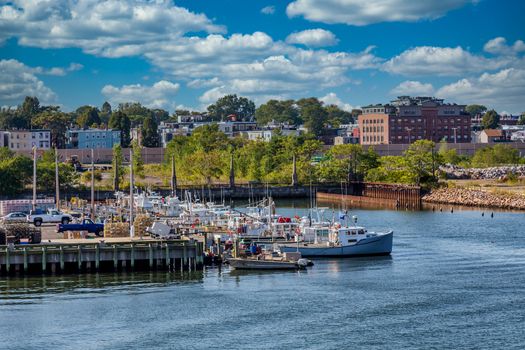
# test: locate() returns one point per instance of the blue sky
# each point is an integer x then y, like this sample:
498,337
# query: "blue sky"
188,53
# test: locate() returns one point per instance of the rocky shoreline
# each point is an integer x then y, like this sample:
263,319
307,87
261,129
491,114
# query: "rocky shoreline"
494,173
475,198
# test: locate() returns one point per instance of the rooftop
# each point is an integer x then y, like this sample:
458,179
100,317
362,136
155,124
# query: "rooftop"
493,132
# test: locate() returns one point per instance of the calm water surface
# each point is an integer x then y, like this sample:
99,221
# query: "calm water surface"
454,281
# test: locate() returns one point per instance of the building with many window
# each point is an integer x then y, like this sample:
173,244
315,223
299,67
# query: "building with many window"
408,119
236,128
25,140
92,138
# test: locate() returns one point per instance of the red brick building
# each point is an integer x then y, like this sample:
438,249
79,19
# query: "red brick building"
408,119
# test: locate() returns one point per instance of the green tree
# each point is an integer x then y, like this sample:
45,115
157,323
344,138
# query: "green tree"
118,169
46,173
30,107
347,162
490,120
448,156
6,153
336,116
391,169
313,114
138,163
241,107
105,112
86,177
422,162
15,173
57,122
88,116
209,138
474,110
120,121
13,119
135,112
150,136
494,156
159,115
278,111
207,165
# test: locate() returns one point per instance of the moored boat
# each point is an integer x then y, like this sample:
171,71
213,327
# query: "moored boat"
253,263
350,241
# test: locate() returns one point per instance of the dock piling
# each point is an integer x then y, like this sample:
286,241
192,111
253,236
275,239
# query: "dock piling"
26,265
44,259
87,257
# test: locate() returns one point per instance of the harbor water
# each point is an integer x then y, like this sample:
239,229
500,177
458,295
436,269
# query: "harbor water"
454,281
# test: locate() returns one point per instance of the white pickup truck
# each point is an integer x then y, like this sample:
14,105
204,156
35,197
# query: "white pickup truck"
39,217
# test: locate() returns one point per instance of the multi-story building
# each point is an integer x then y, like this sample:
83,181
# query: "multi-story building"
4,138
168,130
408,119
25,140
236,128
92,138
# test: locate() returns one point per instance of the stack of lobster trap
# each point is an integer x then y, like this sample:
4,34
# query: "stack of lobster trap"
17,232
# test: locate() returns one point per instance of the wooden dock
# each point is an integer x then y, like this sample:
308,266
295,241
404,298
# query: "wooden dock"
82,256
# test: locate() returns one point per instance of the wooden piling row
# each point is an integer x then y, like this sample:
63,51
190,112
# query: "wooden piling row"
93,257
405,196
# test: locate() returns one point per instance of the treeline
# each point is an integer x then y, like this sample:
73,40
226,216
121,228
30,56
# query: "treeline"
204,158
16,172
31,115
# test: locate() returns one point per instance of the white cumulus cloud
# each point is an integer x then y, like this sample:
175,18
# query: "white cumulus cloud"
108,28
445,61
18,81
499,46
501,90
159,95
364,12
164,34
313,38
332,99
411,87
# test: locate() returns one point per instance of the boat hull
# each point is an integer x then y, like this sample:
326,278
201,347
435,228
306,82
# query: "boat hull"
379,245
252,264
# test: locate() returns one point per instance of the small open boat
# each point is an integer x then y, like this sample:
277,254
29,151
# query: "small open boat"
274,261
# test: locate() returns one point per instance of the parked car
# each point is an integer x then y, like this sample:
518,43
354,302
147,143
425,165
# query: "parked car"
86,225
15,217
39,217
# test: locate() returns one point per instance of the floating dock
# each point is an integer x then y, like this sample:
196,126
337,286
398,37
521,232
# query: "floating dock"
67,256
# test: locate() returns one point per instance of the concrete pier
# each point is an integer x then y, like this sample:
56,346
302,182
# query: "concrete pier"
86,257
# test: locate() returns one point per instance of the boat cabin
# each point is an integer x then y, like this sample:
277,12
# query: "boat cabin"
350,235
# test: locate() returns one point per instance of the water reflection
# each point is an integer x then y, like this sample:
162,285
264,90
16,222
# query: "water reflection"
35,287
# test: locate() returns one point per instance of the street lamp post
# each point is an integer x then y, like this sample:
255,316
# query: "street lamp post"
409,135
455,139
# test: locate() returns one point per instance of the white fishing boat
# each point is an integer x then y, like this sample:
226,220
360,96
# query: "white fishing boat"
342,241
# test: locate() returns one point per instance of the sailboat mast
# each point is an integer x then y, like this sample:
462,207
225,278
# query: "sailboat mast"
57,184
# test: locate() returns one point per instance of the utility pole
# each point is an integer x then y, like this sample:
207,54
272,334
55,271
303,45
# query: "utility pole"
454,134
131,199
173,177
92,185
295,181
57,183
34,178
232,172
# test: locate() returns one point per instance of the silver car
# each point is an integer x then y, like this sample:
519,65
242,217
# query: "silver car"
15,217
